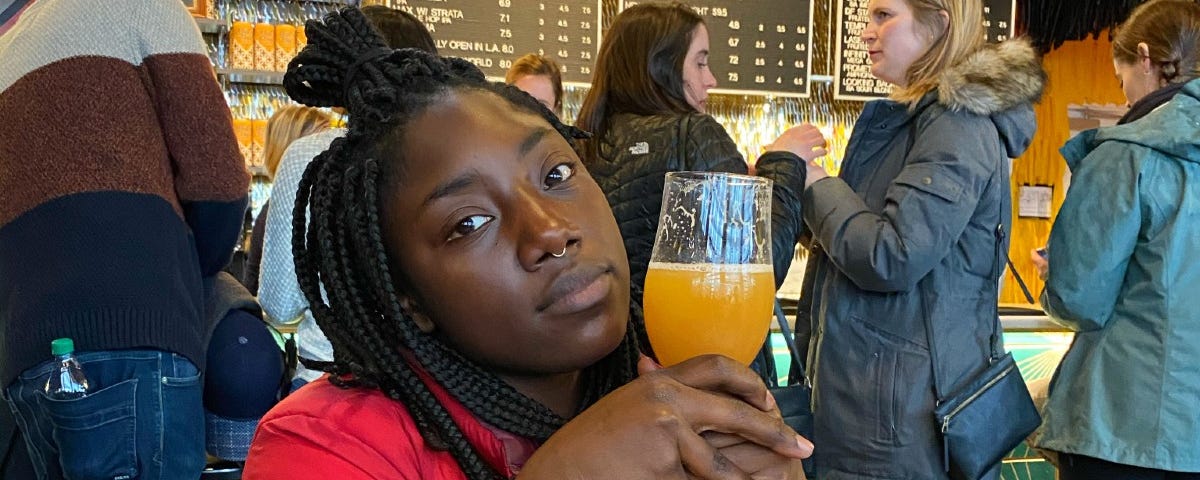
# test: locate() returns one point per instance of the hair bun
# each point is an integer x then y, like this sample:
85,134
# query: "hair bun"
1170,70
338,46
465,69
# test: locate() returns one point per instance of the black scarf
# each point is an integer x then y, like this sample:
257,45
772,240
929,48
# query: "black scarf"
1150,102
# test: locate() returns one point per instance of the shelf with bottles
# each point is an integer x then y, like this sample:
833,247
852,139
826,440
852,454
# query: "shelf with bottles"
252,41
210,25
251,76
252,107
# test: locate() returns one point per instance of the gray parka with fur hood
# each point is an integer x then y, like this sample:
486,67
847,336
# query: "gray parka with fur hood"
906,237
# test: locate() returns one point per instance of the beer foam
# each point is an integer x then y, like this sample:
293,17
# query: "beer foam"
713,267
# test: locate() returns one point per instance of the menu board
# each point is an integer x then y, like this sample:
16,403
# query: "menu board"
758,47
852,72
493,33
999,17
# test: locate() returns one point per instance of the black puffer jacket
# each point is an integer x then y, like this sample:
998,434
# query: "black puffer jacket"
638,151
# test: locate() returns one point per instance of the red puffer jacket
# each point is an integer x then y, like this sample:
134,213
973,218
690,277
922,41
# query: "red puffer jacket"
323,432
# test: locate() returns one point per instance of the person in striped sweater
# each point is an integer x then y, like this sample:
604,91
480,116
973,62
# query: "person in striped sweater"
121,186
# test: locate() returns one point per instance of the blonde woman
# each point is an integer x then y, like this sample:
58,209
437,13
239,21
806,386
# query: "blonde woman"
287,125
908,252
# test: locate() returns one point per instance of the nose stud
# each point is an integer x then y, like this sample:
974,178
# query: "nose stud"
560,254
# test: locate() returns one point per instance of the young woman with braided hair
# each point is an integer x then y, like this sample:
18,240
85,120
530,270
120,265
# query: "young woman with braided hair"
474,285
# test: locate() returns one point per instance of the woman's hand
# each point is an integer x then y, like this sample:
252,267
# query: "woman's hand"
653,427
1041,260
758,462
753,459
803,140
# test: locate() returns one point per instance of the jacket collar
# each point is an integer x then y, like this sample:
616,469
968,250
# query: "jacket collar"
1150,102
995,78
505,452
1172,129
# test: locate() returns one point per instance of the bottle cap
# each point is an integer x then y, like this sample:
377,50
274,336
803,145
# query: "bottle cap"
62,346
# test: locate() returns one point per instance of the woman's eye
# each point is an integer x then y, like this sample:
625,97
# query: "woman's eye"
559,174
469,225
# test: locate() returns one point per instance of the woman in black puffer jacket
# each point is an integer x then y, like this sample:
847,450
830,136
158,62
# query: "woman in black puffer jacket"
646,111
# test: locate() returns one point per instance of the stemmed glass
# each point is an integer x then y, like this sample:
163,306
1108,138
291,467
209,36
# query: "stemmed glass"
710,287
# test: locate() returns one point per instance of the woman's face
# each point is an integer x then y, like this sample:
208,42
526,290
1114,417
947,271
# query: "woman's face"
505,245
1137,79
894,40
539,87
697,77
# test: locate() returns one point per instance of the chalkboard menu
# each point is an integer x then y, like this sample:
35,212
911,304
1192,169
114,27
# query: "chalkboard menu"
853,79
998,17
493,33
761,47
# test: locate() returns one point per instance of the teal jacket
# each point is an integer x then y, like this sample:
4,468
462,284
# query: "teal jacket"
1125,275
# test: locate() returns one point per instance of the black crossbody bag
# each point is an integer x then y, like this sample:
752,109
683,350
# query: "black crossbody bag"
992,413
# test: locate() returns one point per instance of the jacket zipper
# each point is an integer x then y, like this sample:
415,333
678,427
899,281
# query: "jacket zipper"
946,419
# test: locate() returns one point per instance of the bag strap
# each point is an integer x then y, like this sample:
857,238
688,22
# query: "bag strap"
681,138
781,319
290,358
994,338
997,274
1021,283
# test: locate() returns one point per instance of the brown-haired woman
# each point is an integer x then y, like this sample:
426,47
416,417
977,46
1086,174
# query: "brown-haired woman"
1123,273
910,237
540,77
646,112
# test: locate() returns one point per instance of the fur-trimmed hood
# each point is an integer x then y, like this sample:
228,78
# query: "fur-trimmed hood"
993,79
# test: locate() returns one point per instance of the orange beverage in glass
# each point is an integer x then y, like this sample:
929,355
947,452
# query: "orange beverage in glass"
695,309
710,286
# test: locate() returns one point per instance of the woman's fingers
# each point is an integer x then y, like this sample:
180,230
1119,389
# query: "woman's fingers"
723,375
703,461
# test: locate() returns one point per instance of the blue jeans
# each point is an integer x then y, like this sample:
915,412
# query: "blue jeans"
143,418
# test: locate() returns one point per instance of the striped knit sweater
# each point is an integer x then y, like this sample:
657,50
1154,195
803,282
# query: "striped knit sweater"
121,184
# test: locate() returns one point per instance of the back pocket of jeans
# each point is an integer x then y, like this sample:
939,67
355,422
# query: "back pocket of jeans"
183,420
96,434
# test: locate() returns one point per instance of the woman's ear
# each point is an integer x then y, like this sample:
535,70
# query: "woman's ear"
418,317
1144,61
945,18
